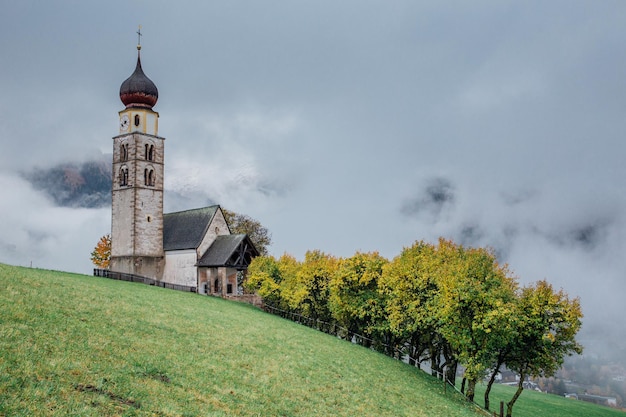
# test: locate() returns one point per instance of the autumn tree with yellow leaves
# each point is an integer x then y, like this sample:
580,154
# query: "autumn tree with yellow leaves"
101,255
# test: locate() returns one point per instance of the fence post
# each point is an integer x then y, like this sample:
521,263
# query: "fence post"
501,408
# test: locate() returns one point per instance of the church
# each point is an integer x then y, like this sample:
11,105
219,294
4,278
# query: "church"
194,248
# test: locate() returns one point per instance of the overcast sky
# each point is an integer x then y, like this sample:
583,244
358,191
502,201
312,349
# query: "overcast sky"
341,126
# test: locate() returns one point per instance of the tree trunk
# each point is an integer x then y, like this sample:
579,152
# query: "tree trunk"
491,381
520,388
434,364
471,388
450,365
451,373
463,385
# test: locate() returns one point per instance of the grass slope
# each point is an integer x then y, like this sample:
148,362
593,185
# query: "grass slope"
77,345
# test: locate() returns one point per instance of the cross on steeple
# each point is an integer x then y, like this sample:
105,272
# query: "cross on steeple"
139,35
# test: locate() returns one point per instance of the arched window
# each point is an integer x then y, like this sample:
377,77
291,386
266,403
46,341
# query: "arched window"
149,152
124,152
137,120
149,177
123,176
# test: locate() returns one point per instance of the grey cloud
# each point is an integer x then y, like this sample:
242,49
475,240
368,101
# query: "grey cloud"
587,235
435,196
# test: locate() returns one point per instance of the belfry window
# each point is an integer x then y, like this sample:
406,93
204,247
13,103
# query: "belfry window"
149,177
137,120
123,176
124,152
149,152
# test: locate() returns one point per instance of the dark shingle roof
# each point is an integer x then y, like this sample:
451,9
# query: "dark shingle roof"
185,229
223,249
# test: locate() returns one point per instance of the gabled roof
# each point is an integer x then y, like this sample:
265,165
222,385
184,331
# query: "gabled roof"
229,250
186,229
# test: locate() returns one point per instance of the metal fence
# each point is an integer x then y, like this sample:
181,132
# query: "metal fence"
121,276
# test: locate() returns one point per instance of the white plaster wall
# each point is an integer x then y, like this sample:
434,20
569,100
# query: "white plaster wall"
180,267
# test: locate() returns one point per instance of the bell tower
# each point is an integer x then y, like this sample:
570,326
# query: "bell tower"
137,191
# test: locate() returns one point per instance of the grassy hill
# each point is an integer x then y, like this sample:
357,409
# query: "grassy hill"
78,345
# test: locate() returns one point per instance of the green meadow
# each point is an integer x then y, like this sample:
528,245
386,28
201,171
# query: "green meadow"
78,345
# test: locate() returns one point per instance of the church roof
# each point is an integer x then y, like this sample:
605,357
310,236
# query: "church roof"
138,90
229,250
186,229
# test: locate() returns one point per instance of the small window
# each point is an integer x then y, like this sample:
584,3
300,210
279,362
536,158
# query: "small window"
137,120
124,152
149,177
149,152
229,288
123,176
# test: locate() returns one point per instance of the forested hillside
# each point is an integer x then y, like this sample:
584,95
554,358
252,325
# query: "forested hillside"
86,184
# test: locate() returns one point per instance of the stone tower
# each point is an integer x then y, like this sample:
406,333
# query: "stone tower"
137,192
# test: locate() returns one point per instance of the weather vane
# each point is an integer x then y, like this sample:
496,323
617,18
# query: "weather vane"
139,38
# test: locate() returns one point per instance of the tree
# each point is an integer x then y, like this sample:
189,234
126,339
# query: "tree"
264,278
312,285
548,323
101,255
474,305
242,224
355,301
411,284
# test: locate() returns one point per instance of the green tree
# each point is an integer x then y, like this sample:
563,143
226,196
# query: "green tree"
101,254
548,323
307,290
275,280
411,284
474,305
264,278
354,299
243,224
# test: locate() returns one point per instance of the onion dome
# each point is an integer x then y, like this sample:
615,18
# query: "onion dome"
139,90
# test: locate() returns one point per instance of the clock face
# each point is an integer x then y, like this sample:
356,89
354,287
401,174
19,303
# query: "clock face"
124,123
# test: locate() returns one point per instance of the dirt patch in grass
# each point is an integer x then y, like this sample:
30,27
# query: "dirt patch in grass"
114,397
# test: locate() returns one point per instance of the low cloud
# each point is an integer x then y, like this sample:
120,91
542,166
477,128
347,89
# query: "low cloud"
545,232
37,233
434,197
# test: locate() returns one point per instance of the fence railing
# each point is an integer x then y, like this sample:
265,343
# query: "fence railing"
121,276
